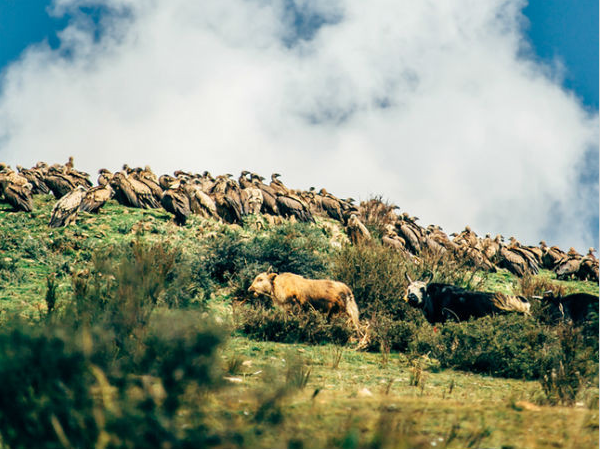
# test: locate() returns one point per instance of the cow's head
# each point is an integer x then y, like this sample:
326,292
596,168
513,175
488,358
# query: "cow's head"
416,292
263,284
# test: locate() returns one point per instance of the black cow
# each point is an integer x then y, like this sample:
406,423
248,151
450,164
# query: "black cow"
441,302
574,308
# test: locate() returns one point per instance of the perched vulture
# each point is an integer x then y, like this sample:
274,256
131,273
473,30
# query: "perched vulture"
269,205
130,192
148,178
331,205
278,186
551,256
227,208
252,199
104,177
201,203
65,210
568,267
35,177
59,182
233,193
528,257
588,268
490,248
166,181
95,198
291,206
410,232
176,201
512,261
19,196
357,232
393,240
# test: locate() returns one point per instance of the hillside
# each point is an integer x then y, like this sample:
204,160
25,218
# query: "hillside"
414,385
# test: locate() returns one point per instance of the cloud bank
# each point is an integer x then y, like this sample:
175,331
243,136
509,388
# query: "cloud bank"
434,104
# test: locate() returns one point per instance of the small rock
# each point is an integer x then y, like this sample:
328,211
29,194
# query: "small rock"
247,363
233,379
364,393
525,405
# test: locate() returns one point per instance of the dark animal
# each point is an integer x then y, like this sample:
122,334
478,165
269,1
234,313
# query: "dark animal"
573,308
441,302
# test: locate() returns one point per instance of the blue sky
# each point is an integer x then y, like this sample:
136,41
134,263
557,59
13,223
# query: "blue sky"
498,110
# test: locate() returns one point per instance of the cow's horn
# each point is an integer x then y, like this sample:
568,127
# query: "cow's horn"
408,278
429,278
270,269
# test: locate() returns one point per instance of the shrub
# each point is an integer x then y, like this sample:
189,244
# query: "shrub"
298,326
504,345
62,388
124,285
574,367
376,276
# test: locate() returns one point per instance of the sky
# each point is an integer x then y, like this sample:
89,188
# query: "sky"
460,112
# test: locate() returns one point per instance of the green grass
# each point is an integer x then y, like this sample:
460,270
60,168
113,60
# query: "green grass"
366,388
349,400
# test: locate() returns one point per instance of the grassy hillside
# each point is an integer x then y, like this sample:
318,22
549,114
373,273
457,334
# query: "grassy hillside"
146,366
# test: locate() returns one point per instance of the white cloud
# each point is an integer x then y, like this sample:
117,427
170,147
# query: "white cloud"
429,103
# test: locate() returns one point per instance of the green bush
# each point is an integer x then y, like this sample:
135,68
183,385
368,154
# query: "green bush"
297,326
376,276
124,285
504,345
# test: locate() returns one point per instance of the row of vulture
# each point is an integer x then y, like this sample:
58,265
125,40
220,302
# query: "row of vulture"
224,198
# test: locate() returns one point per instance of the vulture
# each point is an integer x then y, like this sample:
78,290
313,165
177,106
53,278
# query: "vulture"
393,240
269,205
490,248
410,232
130,192
291,206
17,191
512,261
35,177
278,186
19,196
166,181
95,198
436,234
528,257
551,256
200,203
59,182
588,268
331,205
468,237
145,176
104,177
243,180
252,199
230,199
568,267
357,232
176,201
227,208
477,258
66,208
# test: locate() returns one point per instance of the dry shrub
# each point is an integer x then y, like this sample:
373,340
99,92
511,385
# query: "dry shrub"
529,286
376,214
376,276
296,326
449,268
